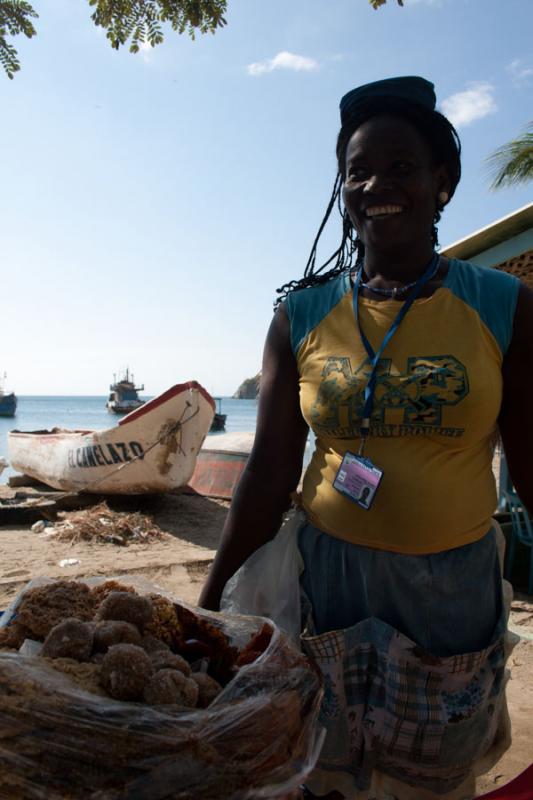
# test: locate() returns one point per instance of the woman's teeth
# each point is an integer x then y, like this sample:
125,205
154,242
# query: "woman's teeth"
382,211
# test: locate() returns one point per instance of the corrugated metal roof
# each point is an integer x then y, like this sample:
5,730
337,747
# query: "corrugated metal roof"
492,235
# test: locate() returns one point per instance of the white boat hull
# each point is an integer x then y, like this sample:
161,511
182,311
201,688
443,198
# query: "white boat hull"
152,449
123,407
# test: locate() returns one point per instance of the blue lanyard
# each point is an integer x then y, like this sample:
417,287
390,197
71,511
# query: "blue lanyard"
375,357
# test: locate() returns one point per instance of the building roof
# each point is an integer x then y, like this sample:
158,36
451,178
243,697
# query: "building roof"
492,235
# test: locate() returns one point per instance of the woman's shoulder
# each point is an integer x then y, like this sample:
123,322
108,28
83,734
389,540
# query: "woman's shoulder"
469,274
490,292
306,308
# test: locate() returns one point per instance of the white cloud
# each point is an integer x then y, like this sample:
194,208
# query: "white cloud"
283,60
474,103
520,71
145,51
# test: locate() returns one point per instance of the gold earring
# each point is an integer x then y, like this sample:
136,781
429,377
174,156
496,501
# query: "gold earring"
443,197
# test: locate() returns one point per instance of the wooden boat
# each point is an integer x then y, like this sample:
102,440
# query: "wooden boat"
220,464
152,449
124,395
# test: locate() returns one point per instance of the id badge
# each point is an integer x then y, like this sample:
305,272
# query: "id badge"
358,479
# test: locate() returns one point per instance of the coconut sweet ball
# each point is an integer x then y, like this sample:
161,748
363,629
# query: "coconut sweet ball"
69,639
164,624
42,608
110,632
126,607
171,687
126,669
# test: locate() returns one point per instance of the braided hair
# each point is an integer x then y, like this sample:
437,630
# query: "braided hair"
445,148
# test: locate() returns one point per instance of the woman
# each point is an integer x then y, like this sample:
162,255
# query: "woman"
405,365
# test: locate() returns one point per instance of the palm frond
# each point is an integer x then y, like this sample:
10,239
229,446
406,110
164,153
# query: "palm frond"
513,162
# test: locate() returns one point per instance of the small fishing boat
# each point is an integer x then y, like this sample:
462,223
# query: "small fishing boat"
219,420
124,395
220,464
152,449
3,464
8,400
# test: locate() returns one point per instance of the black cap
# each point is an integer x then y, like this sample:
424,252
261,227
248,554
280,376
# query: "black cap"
410,88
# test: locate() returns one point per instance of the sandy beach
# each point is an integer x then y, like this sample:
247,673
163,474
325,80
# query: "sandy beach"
179,561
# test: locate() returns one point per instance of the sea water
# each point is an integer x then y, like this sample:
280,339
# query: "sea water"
90,413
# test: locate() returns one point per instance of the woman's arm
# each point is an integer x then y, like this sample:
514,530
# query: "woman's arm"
516,416
273,469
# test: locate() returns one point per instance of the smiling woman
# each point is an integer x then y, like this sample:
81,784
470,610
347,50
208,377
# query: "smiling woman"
405,365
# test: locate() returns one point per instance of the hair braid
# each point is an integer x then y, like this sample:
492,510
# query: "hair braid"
343,258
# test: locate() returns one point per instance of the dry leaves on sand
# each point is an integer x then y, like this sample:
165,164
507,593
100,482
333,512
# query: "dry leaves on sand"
100,524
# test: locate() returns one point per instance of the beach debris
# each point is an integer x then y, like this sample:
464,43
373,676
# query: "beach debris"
48,534
100,524
69,562
40,525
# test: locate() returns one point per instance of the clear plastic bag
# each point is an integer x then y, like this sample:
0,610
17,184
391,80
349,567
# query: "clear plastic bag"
258,739
268,584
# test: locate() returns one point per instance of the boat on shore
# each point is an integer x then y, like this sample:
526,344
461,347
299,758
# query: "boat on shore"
124,395
220,464
8,400
152,449
219,420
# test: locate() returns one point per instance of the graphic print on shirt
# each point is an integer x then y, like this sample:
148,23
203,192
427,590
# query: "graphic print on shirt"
422,393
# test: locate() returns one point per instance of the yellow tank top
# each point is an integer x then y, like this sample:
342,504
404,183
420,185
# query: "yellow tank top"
437,401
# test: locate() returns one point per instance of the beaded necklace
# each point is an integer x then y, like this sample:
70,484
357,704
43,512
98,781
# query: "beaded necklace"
397,290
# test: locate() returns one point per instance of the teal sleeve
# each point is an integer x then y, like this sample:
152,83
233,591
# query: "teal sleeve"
306,308
491,292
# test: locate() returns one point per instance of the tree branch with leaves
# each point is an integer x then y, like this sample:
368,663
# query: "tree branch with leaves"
125,21
140,21
15,18
136,22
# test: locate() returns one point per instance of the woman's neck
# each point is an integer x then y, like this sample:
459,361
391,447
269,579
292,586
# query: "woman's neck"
388,269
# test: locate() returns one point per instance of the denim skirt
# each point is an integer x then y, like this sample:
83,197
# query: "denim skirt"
448,603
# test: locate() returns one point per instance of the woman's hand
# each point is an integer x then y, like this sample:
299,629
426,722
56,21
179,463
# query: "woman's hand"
516,415
273,469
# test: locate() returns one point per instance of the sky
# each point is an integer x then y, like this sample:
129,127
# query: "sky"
153,203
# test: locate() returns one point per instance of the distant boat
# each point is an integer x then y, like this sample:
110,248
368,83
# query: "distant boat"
8,400
3,464
124,395
153,449
220,464
219,420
